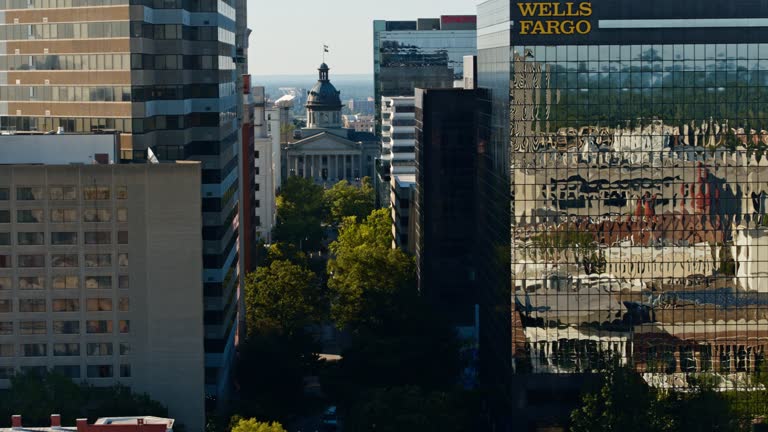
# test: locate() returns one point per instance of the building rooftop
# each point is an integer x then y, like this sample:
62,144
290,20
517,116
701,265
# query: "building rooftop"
105,424
59,149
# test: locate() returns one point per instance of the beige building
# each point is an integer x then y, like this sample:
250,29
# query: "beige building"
101,278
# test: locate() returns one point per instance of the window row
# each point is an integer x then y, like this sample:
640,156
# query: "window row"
645,53
63,282
65,305
66,327
69,371
85,30
62,215
45,4
108,94
64,260
140,29
63,193
65,62
178,62
63,238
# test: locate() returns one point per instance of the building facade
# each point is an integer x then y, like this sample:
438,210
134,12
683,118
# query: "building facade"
327,152
424,53
628,141
264,169
101,278
164,75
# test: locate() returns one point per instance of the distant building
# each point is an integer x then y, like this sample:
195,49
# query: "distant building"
101,273
358,122
108,424
362,106
266,165
327,152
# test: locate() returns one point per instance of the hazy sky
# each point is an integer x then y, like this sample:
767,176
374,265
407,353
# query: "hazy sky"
288,35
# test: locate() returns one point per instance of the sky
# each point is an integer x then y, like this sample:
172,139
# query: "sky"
288,35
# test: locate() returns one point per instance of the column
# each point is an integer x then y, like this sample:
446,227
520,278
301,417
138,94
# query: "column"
295,165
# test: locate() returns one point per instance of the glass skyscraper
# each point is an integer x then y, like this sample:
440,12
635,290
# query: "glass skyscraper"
629,139
162,73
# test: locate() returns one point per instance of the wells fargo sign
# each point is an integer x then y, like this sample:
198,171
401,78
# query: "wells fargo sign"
563,18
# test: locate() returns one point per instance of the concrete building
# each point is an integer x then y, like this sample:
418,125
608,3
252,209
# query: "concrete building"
101,277
366,107
280,130
327,152
165,76
265,165
358,122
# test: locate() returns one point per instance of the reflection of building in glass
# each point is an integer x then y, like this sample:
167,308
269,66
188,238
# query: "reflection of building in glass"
637,173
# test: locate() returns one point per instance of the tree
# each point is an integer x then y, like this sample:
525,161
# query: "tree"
345,200
252,425
366,273
283,296
300,212
624,403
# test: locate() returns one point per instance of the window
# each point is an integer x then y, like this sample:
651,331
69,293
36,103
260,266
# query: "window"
92,193
69,371
121,192
5,194
63,238
122,282
97,237
38,371
63,215
6,328
99,304
98,260
29,216
66,327
34,350
100,371
99,349
31,238
31,261
66,349
124,304
98,282
122,237
5,261
122,215
97,327
31,283
7,350
33,327
122,259
32,305
65,305
125,348
257,203
125,371
65,282
62,193
97,215
29,193
125,326
5,216
5,283
6,306
64,260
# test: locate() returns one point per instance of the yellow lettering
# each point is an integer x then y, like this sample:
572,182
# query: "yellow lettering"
567,27
525,27
528,9
571,12
545,9
583,27
553,27
585,9
538,28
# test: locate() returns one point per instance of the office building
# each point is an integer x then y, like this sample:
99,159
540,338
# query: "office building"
162,74
446,149
366,107
424,53
101,272
327,152
627,151
264,170
358,122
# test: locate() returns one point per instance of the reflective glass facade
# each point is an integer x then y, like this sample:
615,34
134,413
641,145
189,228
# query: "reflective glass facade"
635,156
407,57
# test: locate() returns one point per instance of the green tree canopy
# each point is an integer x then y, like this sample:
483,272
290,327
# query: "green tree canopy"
252,425
300,212
282,296
366,273
344,200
